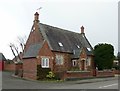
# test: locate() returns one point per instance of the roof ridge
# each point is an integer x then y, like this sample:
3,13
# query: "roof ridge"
60,28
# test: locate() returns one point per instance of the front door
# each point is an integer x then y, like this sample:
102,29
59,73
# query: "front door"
82,64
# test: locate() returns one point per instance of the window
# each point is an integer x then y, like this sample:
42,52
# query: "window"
60,44
88,49
74,62
59,59
78,46
88,61
45,62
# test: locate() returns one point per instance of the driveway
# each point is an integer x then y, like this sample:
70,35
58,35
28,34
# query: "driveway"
10,82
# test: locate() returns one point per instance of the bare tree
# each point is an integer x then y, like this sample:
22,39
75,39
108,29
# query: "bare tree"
22,41
16,48
12,46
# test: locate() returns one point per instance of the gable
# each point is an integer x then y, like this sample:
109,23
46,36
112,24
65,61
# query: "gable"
83,51
63,40
35,37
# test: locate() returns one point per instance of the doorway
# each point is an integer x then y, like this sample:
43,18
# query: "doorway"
82,64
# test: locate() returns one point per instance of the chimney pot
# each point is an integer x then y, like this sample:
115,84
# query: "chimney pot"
36,16
82,29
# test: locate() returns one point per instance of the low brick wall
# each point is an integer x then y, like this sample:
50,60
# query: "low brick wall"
19,70
1,65
77,74
86,74
105,74
9,67
116,71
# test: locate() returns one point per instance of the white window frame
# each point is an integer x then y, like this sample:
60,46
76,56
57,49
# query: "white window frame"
45,62
88,61
59,59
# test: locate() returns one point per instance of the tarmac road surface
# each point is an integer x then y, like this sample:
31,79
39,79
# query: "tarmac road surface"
9,82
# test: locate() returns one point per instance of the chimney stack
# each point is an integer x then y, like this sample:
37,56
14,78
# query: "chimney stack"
36,17
82,30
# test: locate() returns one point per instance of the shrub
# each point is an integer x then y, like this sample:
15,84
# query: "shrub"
42,72
51,75
74,69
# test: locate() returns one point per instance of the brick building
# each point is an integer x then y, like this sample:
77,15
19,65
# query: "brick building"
55,48
2,61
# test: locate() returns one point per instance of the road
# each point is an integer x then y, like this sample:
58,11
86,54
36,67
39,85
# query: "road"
9,82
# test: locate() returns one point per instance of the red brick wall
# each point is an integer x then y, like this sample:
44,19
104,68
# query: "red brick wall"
30,68
67,62
45,52
77,74
85,74
9,67
35,36
116,71
83,54
1,65
30,65
105,73
19,70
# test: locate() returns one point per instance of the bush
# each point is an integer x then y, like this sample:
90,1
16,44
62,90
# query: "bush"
74,69
42,72
51,75
117,67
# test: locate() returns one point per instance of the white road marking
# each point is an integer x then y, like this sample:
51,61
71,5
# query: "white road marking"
108,85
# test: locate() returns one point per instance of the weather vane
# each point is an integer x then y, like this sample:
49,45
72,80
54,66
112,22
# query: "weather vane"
39,9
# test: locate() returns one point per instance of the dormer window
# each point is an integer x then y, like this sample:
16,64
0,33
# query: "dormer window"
83,36
60,44
88,49
78,46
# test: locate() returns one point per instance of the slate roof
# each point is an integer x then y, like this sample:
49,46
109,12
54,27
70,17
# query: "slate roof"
70,40
2,57
32,51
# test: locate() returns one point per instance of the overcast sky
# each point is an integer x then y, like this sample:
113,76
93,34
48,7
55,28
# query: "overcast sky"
99,17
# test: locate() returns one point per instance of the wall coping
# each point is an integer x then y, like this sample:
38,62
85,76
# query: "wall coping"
105,71
77,71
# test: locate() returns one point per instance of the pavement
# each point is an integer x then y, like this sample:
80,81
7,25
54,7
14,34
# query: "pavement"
92,80
0,80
